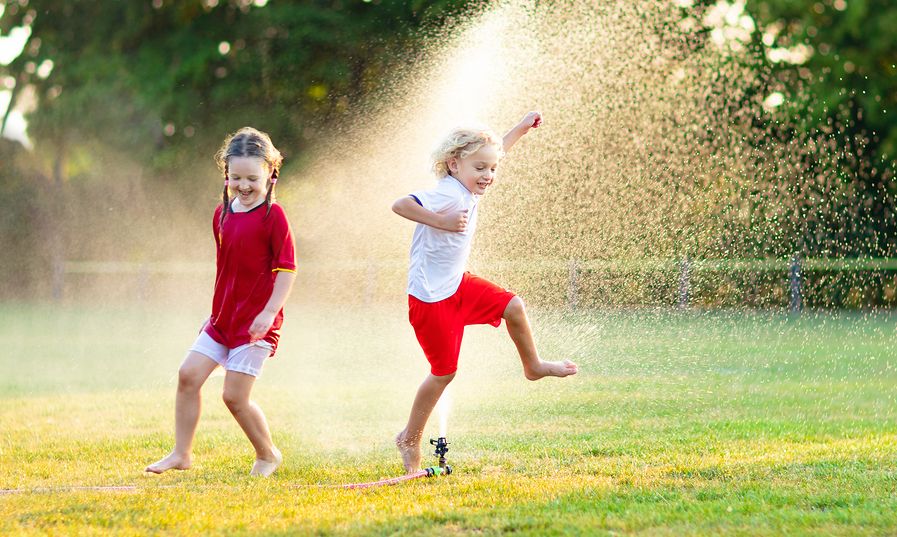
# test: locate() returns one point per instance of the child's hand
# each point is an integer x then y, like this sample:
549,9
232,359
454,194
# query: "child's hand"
260,325
532,120
455,221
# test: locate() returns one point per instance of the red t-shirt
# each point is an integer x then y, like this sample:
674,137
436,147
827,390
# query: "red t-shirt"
251,248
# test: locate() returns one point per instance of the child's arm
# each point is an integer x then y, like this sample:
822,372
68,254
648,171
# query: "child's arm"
529,121
408,208
283,283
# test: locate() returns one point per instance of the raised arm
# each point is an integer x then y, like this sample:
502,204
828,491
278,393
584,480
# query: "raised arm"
407,207
530,121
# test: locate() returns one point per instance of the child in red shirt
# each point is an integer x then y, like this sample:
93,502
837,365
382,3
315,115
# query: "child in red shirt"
255,270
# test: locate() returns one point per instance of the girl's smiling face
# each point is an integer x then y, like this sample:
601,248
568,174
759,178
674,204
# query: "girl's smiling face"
477,170
247,180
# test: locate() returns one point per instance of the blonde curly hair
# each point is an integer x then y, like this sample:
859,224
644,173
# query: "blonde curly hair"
462,142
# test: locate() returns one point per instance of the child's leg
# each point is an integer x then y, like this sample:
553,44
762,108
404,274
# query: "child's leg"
191,376
408,441
519,329
237,388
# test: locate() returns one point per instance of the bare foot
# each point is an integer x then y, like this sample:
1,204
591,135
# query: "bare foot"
265,468
410,453
173,461
551,369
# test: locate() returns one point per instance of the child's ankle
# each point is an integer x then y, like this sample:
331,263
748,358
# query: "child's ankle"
408,440
270,455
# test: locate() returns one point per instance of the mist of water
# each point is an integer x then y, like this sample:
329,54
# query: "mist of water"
444,407
655,145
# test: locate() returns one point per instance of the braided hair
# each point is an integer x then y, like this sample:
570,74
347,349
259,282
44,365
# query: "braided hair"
248,142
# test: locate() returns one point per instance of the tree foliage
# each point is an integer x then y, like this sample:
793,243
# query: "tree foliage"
832,65
164,80
122,94
157,77
850,74
843,89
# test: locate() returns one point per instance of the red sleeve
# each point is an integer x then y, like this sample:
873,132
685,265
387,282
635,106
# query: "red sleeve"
216,230
283,249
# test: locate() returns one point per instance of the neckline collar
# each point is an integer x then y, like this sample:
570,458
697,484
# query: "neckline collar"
230,207
461,186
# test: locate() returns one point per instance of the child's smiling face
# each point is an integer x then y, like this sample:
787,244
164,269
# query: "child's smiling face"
476,171
247,179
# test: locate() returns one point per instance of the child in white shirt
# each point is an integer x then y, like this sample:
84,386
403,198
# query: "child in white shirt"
442,297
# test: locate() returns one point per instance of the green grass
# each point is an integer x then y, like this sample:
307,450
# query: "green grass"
678,424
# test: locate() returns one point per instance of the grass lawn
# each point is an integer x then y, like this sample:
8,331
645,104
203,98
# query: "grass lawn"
678,424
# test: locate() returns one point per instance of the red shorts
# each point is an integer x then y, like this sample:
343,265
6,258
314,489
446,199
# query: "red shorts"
439,326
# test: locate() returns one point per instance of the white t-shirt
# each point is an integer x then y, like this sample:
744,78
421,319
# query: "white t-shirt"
438,257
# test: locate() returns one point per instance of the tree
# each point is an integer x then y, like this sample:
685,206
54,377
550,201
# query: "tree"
148,77
163,81
844,88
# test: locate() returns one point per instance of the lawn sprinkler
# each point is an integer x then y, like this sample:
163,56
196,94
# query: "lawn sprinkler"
442,469
441,449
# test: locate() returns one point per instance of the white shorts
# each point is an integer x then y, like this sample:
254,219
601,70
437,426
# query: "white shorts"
246,358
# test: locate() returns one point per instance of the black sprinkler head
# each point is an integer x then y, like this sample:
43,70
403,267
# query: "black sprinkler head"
441,449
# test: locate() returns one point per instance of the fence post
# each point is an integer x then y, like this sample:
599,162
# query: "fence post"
572,284
795,284
684,271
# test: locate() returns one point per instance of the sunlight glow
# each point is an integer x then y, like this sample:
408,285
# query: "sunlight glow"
45,68
473,75
774,101
731,26
796,55
12,45
15,123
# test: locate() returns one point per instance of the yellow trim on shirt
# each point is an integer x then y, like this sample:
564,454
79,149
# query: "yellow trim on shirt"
283,270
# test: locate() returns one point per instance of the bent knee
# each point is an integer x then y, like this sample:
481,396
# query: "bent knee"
443,379
190,378
234,400
515,309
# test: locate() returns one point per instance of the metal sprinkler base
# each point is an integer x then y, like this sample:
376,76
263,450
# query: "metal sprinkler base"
438,470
